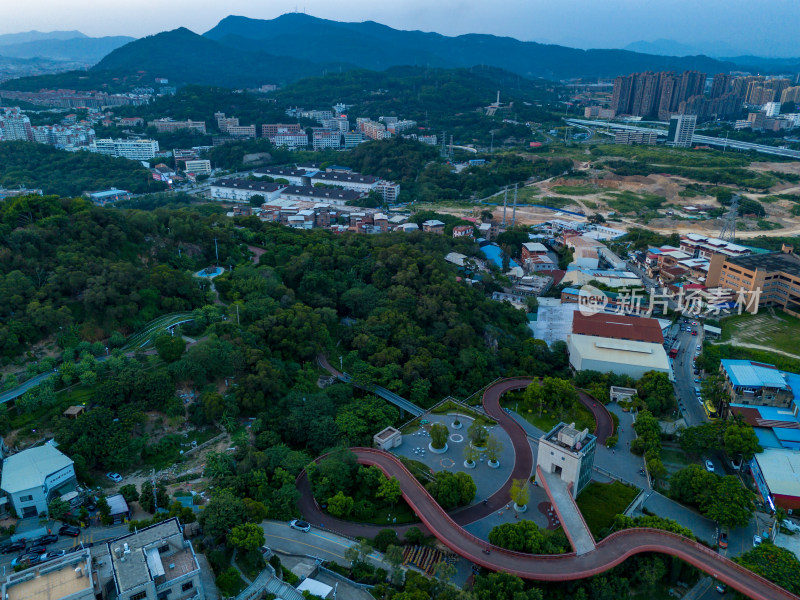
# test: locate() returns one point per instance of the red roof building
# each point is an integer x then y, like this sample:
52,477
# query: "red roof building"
618,327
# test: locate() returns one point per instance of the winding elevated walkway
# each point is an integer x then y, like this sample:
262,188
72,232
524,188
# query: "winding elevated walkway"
606,554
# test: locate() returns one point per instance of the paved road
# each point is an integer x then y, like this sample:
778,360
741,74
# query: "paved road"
24,387
317,543
90,535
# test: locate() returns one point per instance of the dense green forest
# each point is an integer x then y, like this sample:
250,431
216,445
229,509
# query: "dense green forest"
70,269
31,165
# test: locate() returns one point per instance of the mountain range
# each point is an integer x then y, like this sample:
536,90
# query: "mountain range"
65,46
245,52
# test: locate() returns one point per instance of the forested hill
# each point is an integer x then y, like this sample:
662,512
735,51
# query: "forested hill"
38,166
374,46
242,52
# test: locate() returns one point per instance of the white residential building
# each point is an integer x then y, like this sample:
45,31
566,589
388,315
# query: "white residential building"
242,190
198,167
132,149
35,476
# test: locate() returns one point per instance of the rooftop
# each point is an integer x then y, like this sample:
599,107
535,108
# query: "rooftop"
747,373
781,470
772,261
52,580
322,193
29,468
244,184
647,355
146,557
344,177
620,327
534,247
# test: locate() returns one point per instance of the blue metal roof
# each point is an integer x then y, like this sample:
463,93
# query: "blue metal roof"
749,374
493,253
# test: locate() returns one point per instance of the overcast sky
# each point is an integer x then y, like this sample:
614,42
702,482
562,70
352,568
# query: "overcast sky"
753,26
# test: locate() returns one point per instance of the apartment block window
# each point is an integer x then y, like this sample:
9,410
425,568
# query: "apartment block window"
187,586
139,596
25,498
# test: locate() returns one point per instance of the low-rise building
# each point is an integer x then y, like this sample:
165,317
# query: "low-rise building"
299,176
463,231
35,476
198,166
335,196
621,344
168,125
104,197
751,383
433,226
244,189
154,562
568,453
776,473
69,577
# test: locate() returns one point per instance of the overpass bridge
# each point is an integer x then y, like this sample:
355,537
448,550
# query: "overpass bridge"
705,140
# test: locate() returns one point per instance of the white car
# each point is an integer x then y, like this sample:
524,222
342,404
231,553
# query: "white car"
709,466
756,540
115,477
299,525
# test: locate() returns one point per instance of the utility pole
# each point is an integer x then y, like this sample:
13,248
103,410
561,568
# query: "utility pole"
491,146
514,210
237,314
216,250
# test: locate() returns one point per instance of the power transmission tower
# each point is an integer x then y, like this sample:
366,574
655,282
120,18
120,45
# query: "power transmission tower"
505,204
728,231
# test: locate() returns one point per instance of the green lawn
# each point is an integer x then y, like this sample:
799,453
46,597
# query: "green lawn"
576,190
251,563
675,457
599,503
580,415
778,332
632,203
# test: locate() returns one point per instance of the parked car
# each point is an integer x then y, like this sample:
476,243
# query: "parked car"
52,554
694,333
45,539
299,525
28,559
38,549
69,530
721,588
723,539
709,466
115,477
736,463
757,540
17,546
697,380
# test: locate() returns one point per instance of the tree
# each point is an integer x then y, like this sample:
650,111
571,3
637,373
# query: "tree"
393,555
256,200
385,538
58,509
470,454
414,536
730,504
657,391
247,536
452,489
740,438
129,492
520,492
495,586
438,436
221,514
389,490
777,564
170,347
477,434
146,498
493,448
526,536
340,505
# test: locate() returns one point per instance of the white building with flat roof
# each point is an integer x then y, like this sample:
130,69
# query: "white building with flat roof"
35,476
69,577
132,149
